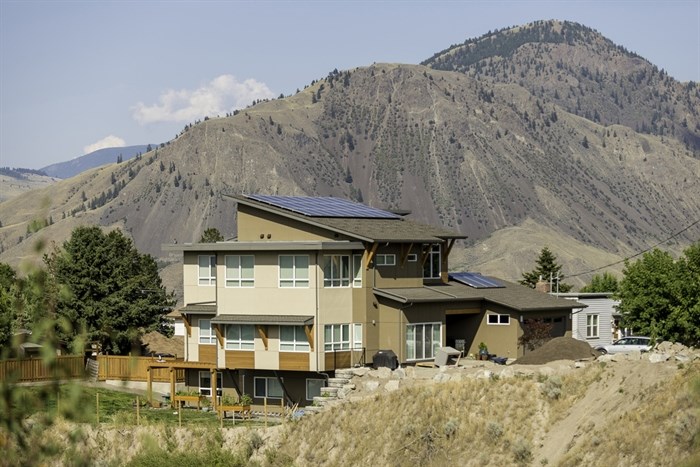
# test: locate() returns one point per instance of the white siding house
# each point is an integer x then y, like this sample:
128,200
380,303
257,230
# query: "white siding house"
594,324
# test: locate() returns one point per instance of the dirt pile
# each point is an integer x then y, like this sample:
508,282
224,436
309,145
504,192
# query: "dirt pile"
559,348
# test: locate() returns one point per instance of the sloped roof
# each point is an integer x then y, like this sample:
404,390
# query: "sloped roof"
263,319
396,229
515,296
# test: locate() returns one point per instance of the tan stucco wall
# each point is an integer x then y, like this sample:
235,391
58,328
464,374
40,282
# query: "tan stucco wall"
253,223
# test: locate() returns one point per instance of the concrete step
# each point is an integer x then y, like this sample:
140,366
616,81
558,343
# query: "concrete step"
346,373
321,401
337,382
329,391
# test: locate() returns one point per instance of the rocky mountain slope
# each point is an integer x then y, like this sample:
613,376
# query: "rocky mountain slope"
504,162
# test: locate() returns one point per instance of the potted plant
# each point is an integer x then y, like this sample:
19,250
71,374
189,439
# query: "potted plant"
483,351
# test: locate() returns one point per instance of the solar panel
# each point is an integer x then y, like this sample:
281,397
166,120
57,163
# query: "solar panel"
323,207
476,280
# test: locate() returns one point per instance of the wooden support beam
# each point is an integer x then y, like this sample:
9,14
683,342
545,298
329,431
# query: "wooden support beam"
425,253
450,244
404,256
213,376
188,325
309,335
262,332
172,385
371,253
149,385
219,335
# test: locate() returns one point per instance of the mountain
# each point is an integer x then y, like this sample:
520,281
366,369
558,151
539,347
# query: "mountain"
15,181
94,159
513,167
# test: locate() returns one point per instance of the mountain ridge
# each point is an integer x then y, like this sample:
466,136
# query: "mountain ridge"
465,151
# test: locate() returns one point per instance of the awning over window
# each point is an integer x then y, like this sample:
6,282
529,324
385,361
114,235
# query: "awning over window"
198,310
264,319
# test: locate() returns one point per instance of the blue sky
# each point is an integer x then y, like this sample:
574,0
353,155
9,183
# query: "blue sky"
78,75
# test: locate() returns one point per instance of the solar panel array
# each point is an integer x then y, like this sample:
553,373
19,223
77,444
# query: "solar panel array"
476,280
323,207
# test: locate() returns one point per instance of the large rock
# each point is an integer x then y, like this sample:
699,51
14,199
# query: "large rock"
361,371
371,385
392,385
657,357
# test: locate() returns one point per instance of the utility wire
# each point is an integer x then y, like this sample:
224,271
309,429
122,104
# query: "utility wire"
638,253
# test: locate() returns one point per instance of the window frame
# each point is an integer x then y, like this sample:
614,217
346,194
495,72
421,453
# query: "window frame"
336,345
412,258
320,389
357,270
240,281
210,280
499,319
210,338
267,379
356,342
239,343
206,390
412,356
593,326
295,281
333,271
298,345
385,259
434,261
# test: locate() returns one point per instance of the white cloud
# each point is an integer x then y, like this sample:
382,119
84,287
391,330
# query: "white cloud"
110,141
223,94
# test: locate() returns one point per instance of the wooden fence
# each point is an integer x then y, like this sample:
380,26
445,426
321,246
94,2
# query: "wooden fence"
135,369
35,369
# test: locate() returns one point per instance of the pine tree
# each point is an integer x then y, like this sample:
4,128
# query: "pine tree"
547,269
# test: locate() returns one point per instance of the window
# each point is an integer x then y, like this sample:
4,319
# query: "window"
239,271
268,387
205,383
591,325
206,333
207,270
293,339
357,336
422,340
336,271
337,337
385,260
412,258
357,270
240,337
431,268
313,388
498,319
294,271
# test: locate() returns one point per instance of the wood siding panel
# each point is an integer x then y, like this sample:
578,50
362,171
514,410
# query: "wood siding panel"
298,361
240,359
207,353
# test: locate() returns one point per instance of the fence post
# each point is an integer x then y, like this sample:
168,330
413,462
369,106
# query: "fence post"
138,411
265,410
97,407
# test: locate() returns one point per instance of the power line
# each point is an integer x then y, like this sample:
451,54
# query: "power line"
638,253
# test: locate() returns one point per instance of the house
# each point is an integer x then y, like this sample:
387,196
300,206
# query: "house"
311,285
598,322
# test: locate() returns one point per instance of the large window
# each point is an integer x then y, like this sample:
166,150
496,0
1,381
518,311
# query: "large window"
294,271
205,383
206,333
313,388
268,387
591,326
498,319
337,337
357,270
207,270
422,340
293,339
357,336
336,271
239,271
431,268
240,337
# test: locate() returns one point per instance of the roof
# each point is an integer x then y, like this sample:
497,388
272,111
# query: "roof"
263,319
389,229
198,309
515,296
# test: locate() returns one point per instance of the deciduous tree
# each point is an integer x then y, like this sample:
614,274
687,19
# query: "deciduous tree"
605,283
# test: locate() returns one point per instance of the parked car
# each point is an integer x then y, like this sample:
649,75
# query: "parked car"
627,344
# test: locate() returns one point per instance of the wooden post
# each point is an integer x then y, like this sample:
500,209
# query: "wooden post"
58,402
172,386
97,407
149,385
282,407
138,411
179,415
265,410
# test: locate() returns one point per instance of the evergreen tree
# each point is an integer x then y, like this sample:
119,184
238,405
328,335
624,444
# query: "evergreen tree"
108,290
547,269
211,235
